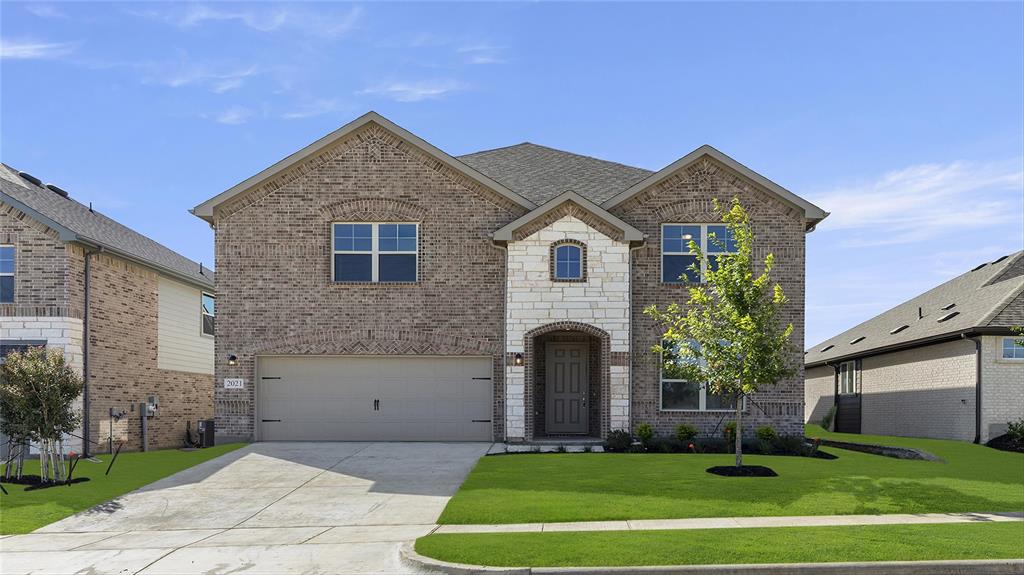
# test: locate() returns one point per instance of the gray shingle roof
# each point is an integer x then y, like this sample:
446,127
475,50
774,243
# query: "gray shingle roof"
539,173
990,296
94,227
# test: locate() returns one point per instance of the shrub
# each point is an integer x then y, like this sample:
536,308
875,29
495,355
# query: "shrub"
729,433
767,433
560,449
645,434
791,445
1015,429
685,433
618,441
826,422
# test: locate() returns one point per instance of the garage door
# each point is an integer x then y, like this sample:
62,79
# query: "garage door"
369,398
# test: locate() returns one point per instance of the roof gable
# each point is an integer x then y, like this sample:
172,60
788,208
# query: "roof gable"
508,232
812,213
206,209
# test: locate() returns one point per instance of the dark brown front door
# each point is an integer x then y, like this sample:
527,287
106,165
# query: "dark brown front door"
566,388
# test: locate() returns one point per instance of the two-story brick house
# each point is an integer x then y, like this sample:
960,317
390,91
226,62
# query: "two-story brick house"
372,286
135,318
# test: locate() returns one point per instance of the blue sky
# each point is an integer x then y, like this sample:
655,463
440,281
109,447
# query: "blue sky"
905,120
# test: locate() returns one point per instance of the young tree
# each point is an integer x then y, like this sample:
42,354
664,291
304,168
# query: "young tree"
728,335
37,394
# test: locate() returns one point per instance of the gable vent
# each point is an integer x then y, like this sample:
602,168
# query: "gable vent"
857,340
31,178
899,329
949,315
948,307
826,348
57,190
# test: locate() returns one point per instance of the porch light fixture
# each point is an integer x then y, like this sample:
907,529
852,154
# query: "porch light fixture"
232,360
519,359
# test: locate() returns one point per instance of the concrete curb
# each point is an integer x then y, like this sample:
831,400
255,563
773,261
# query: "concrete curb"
972,567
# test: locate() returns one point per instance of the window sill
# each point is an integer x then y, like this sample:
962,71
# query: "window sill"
569,281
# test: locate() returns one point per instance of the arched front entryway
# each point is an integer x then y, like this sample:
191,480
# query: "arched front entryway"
567,377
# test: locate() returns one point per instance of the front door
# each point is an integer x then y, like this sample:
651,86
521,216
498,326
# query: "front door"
566,388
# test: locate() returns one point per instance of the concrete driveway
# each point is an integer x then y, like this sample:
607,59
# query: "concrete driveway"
265,508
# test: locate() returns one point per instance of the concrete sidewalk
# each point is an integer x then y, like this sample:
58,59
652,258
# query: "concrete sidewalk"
734,522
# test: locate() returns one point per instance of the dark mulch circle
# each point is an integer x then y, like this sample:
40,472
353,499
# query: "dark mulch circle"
745,471
33,481
1006,443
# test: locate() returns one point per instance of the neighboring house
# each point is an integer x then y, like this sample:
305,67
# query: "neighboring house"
132,316
943,364
372,286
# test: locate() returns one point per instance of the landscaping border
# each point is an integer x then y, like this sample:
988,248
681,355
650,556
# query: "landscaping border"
885,450
975,567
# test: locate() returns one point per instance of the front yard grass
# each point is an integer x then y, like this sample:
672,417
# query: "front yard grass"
533,488
23,511
731,546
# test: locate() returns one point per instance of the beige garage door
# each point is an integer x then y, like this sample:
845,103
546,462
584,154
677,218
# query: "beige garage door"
371,398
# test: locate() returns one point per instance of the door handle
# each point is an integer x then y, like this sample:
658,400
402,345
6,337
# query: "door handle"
376,405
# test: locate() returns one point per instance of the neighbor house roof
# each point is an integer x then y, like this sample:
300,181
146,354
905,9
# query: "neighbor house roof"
79,223
540,173
987,299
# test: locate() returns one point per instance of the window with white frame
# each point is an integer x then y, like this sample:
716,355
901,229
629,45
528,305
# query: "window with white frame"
680,394
678,260
6,274
1012,349
209,311
849,376
375,252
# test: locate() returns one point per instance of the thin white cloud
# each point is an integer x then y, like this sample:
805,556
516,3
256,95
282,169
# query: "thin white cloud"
216,78
415,91
234,116
313,108
923,202
482,54
44,10
33,50
262,18
227,84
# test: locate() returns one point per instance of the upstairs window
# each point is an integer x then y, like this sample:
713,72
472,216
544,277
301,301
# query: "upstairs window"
677,258
6,274
209,314
1012,349
375,252
568,262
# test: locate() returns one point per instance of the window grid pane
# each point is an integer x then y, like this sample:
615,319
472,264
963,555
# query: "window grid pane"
375,252
1011,350
567,262
6,259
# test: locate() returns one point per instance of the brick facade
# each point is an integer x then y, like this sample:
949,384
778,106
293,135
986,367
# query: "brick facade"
1002,386
686,197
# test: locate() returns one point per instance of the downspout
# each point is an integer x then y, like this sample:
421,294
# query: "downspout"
977,386
86,436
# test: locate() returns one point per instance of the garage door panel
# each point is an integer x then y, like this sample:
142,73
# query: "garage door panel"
420,398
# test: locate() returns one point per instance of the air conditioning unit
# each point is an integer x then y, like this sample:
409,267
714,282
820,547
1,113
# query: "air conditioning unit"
205,432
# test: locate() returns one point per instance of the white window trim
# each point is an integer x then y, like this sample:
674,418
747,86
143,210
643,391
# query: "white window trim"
10,274
1002,348
203,314
708,251
375,251
852,370
579,249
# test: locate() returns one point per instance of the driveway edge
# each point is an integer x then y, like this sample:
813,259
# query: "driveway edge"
974,567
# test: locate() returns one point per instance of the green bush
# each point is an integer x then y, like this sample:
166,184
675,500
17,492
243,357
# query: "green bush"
685,433
826,422
767,433
618,441
645,433
1015,429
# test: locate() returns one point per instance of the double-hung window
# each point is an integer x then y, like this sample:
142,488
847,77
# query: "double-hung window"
372,252
678,260
1011,349
209,314
6,274
680,394
848,377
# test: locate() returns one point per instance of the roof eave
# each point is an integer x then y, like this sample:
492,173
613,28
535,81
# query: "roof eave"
910,344
629,233
205,210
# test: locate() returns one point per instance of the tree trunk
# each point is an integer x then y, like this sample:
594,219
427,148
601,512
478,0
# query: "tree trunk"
739,431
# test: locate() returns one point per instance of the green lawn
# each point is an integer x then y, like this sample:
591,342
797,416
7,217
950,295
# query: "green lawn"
724,546
23,511
604,486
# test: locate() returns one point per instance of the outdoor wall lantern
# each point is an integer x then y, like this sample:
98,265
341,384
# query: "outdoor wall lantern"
519,359
232,359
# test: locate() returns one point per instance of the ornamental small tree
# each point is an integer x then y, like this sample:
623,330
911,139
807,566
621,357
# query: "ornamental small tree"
37,394
728,335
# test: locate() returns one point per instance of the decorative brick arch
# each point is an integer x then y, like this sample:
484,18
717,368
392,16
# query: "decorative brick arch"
604,370
373,210
583,260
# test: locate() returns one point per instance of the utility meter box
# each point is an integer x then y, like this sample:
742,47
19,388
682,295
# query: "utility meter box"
152,405
205,430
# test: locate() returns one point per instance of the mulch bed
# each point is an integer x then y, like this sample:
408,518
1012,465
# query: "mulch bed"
1006,443
745,471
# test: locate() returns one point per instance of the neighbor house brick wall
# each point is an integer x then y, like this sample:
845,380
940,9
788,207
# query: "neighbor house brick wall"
534,300
686,197
819,392
927,391
1002,388
275,293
